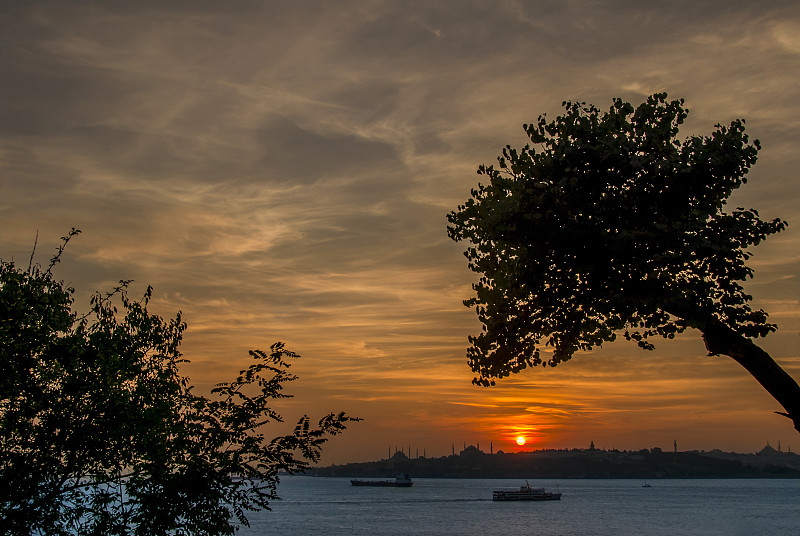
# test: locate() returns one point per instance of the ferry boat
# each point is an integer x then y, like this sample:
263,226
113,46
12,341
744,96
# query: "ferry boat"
525,493
401,481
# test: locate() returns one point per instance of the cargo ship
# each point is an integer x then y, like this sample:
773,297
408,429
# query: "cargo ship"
401,481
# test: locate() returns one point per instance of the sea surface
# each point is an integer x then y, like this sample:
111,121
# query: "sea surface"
441,506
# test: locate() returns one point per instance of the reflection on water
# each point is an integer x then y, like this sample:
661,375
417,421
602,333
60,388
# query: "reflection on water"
588,507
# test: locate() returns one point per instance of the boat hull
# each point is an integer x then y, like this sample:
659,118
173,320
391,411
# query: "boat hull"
525,493
382,483
520,496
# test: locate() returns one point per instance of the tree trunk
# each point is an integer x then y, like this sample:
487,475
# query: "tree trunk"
720,339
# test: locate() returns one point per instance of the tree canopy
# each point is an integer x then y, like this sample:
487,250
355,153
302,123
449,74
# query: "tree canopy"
101,434
607,224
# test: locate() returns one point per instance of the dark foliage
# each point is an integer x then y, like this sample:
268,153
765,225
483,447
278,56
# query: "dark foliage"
101,434
607,224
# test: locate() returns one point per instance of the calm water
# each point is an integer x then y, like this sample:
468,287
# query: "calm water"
330,506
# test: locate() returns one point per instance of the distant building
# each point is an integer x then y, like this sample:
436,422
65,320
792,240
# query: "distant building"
767,451
470,451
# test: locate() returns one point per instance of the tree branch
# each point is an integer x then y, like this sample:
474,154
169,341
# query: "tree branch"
720,339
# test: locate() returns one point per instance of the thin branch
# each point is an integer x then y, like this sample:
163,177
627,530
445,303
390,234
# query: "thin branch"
64,241
33,252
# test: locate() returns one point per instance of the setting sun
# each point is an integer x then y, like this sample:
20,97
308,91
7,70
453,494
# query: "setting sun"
520,440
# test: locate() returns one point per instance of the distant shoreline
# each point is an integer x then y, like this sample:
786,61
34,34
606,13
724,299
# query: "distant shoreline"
578,463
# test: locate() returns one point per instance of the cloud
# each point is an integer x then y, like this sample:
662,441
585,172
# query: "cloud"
283,171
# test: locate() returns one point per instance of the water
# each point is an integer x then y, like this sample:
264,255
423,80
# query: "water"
331,506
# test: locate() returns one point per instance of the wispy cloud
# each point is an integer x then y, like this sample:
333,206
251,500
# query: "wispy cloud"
283,171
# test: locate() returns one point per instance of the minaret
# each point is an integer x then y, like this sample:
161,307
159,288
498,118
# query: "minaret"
675,444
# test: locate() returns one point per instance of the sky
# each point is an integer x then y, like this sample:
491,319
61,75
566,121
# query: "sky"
282,171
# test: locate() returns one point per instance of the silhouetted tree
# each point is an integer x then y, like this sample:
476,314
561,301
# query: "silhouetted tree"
101,434
614,226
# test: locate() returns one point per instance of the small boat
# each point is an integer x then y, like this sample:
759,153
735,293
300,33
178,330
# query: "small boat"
525,493
646,485
401,481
